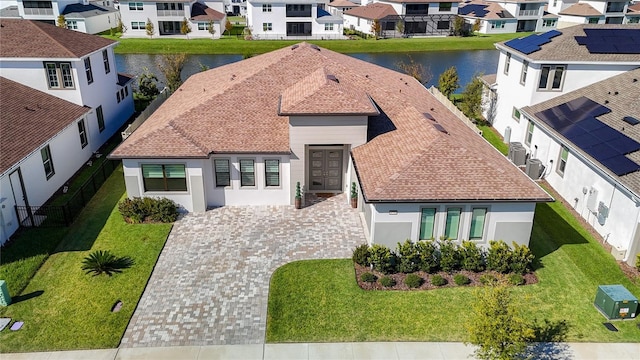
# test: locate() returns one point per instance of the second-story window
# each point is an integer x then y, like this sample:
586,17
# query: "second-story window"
87,70
445,6
59,75
507,63
105,60
551,77
135,6
523,75
266,7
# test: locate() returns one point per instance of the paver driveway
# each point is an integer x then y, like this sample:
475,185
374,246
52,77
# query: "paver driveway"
211,282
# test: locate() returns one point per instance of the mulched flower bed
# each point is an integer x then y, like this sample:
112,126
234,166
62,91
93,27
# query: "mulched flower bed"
400,285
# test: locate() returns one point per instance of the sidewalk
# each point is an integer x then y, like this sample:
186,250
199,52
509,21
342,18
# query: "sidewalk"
335,351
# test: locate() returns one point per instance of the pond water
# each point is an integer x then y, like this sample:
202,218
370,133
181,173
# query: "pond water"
467,63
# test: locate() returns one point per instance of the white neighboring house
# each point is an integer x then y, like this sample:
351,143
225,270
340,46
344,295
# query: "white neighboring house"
327,120
601,182
292,19
167,17
633,14
573,12
90,17
337,7
235,7
493,18
37,160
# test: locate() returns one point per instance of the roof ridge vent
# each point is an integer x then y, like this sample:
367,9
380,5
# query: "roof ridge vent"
333,78
294,47
315,47
429,116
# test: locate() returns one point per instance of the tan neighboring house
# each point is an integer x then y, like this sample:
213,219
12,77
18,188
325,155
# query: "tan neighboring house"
633,14
246,133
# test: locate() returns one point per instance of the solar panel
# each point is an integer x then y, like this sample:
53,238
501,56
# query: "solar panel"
572,132
611,41
603,151
621,165
626,145
607,133
591,125
586,141
531,43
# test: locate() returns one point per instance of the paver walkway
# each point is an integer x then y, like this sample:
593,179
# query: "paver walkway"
211,282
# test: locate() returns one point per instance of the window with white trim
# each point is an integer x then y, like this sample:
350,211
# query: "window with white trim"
328,27
271,172
427,223
105,61
100,116
247,172
59,74
549,22
266,7
562,160
478,219
87,70
516,114
164,177
267,26
72,24
497,24
47,162
523,75
136,6
82,132
507,63
444,6
551,77
223,172
452,225
138,25
529,136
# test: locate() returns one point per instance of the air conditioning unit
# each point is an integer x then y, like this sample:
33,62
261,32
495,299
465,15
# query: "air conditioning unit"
517,153
534,168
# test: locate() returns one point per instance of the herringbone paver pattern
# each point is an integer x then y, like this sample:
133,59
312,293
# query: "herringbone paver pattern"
211,283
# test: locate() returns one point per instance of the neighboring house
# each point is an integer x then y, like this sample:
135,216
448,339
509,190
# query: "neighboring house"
89,17
590,138
235,7
493,18
633,14
44,142
404,18
246,133
337,7
572,12
167,17
292,19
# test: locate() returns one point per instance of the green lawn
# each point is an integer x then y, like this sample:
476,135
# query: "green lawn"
233,45
319,300
490,134
61,306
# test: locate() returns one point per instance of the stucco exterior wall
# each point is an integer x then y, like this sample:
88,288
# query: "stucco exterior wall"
278,19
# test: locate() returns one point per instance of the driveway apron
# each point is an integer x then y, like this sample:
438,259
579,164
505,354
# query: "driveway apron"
211,283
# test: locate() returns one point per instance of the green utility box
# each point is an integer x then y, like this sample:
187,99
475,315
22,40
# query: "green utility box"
616,302
5,298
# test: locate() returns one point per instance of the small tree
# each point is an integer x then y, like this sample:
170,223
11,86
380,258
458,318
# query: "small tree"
150,28
497,326
471,104
120,28
185,28
400,27
61,22
147,85
449,82
376,28
415,69
171,67
211,29
459,26
228,26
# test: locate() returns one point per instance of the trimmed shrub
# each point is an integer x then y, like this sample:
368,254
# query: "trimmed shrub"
413,281
138,210
438,280
428,254
361,255
521,259
387,281
499,256
449,256
488,279
472,257
368,277
409,258
516,279
382,259
163,210
460,280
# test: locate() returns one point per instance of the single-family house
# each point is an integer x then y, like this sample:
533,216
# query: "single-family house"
236,7
166,18
90,17
493,18
590,138
572,12
247,133
337,7
292,19
633,14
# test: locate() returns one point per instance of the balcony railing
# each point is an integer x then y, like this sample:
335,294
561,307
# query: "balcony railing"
534,12
171,13
38,11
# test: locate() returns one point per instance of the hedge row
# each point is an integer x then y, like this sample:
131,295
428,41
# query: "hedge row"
139,210
431,256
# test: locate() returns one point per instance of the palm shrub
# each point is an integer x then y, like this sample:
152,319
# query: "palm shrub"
499,256
429,257
361,255
449,256
382,259
521,259
104,262
472,257
409,257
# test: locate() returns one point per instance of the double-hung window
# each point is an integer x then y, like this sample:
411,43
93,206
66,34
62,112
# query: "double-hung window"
87,70
105,60
47,162
551,77
247,172
223,172
529,136
100,116
59,75
427,223
523,75
136,6
168,177
507,63
272,172
328,27
478,217
82,132
266,7
562,160
452,225
267,26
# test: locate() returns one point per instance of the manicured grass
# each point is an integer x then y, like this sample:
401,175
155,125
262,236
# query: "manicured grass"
490,134
319,300
233,45
62,307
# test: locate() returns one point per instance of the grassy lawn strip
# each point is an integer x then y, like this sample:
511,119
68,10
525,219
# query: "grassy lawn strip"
319,300
490,134
65,309
233,45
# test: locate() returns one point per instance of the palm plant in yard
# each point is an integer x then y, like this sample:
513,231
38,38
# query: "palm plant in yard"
104,262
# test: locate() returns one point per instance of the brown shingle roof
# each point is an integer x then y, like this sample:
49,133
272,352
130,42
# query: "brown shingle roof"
620,94
342,3
29,118
580,9
372,11
201,12
34,39
565,48
234,109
